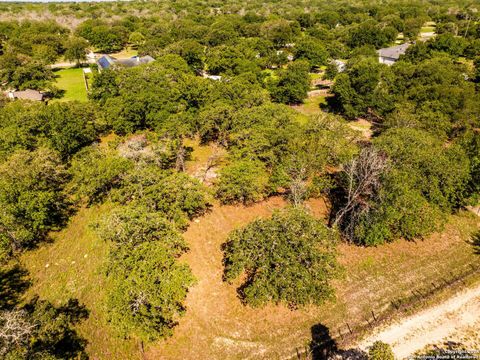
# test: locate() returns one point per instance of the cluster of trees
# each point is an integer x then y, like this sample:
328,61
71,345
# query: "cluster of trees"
423,162
229,41
28,47
37,143
152,205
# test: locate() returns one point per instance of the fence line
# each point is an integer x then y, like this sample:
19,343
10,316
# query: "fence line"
349,332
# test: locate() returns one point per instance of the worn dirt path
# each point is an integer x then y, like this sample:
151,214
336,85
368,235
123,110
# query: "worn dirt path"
450,320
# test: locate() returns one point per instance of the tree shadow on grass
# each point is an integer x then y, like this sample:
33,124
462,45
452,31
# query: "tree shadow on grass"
324,347
14,282
475,242
55,332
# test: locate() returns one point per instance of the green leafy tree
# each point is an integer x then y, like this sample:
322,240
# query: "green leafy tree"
32,200
369,33
44,53
279,32
64,127
136,39
312,50
439,173
76,50
406,196
147,290
105,38
191,51
25,74
68,127
293,83
243,181
362,87
177,196
289,258
104,86
95,172
40,330
130,226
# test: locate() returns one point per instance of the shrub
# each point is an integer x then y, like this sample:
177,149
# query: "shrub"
380,351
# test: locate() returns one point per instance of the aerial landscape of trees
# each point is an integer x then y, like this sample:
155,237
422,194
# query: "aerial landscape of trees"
230,77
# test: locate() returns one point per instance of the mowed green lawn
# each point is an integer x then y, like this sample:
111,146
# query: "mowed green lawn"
71,81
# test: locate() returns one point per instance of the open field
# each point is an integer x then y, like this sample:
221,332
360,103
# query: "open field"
216,324
71,80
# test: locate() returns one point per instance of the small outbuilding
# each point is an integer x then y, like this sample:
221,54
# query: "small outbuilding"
32,95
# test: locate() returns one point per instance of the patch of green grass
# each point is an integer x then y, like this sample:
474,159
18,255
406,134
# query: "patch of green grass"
311,105
128,52
427,29
71,81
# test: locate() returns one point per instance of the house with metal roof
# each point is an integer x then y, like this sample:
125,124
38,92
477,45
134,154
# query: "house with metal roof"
390,55
109,62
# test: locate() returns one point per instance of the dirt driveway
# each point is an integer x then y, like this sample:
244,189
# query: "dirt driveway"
453,320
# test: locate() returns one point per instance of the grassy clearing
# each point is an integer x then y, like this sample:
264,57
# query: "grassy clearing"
127,52
216,324
427,29
71,81
311,105
202,156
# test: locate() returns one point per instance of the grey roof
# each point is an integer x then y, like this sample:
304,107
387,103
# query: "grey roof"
28,95
393,52
106,61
